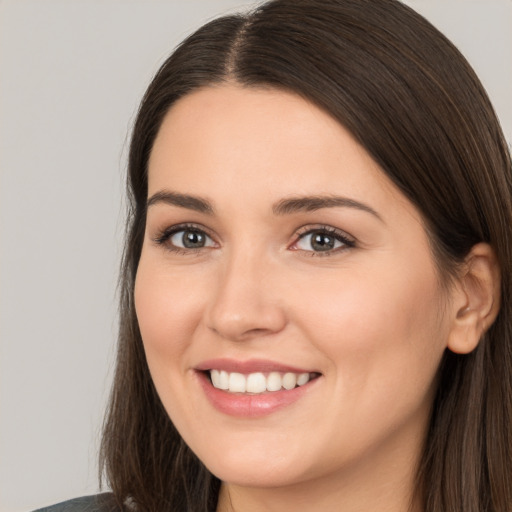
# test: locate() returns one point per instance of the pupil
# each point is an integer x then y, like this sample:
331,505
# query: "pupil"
193,240
322,242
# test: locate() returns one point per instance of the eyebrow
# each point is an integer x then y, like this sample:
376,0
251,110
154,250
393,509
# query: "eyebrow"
313,203
286,206
187,201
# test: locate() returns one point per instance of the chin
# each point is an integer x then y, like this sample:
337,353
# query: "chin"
260,462
247,473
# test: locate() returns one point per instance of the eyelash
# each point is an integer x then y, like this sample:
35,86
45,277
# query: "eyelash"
340,236
163,239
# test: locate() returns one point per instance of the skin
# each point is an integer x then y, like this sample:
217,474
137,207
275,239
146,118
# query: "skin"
372,318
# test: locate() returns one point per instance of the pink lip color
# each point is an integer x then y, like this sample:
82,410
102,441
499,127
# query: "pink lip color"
250,366
244,405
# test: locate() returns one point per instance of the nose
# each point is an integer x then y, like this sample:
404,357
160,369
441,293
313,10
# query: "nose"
246,303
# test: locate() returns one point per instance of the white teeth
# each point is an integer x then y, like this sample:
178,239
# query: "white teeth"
302,379
223,380
257,382
214,374
237,383
274,381
220,379
289,380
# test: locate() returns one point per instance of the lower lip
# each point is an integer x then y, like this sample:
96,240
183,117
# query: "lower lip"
251,406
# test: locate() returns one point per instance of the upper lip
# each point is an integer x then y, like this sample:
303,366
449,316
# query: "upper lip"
249,366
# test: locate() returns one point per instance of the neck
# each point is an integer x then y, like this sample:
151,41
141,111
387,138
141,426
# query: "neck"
307,497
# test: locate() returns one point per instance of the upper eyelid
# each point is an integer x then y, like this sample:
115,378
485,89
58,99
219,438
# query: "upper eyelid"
347,240
308,228
163,235
184,226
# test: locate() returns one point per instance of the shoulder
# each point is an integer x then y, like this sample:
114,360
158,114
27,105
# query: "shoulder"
97,503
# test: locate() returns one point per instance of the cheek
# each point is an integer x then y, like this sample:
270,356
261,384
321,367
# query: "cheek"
379,328
384,340
168,311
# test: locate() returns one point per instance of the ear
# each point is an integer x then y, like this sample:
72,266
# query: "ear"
476,299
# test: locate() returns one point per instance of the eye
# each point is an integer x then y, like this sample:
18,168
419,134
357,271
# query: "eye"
183,238
190,239
322,240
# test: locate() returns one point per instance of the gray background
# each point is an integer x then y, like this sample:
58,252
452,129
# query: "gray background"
71,75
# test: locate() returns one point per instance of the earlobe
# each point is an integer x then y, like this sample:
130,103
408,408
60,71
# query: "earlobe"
476,299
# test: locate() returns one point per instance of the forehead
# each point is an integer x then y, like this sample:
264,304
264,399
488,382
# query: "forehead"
236,144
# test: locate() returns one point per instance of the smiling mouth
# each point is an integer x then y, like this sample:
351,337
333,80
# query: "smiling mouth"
258,382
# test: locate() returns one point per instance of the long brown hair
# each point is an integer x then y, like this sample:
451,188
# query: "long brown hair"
411,99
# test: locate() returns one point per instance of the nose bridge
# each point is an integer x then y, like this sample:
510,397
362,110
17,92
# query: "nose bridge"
244,304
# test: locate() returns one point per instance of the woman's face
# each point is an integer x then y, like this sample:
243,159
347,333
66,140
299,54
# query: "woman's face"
278,255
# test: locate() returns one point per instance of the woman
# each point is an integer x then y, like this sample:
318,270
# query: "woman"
316,283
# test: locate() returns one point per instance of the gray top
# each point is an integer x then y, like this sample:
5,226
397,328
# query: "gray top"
97,503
